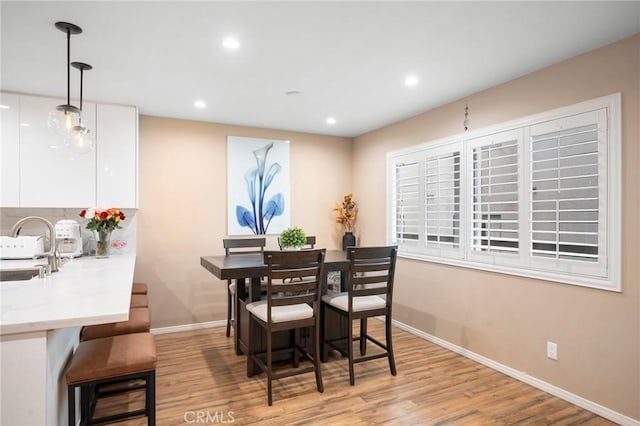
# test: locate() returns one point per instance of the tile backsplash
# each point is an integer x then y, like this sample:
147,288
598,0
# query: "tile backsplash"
122,240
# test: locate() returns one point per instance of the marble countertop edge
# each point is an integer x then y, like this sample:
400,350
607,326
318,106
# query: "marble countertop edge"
86,291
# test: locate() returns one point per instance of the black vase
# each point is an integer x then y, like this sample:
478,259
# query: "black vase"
348,240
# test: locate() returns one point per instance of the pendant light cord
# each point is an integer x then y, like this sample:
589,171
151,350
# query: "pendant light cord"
69,67
81,78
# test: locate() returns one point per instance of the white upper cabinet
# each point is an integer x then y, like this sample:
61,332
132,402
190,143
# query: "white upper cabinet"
117,154
39,169
9,150
50,174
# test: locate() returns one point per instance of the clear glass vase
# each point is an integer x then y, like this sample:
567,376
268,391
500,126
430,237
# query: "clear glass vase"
103,243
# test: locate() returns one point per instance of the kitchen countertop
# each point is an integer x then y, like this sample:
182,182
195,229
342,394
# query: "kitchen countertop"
85,291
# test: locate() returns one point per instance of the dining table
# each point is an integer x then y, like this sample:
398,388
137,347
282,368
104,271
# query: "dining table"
248,270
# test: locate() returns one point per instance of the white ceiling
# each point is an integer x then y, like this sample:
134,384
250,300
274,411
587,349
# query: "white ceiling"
348,59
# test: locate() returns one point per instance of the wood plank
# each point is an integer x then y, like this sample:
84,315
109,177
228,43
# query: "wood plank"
199,375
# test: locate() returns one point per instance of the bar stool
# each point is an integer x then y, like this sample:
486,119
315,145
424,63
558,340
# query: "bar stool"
290,306
139,288
233,246
139,301
139,322
109,360
369,294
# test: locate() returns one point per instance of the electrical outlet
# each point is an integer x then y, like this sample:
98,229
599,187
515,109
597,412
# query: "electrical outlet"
552,350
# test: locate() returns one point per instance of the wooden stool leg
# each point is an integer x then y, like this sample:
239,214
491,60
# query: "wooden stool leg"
392,362
316,354
363,336
71,403
352,379
86,397
150,399
269,370
295,337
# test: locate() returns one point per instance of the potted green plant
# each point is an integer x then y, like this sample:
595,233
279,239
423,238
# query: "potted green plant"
292,238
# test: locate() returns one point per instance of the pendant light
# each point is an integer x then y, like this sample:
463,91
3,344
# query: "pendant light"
65,127
82,140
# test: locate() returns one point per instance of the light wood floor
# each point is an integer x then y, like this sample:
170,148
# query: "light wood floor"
201,381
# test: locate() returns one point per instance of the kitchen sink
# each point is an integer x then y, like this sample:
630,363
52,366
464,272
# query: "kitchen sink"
18,274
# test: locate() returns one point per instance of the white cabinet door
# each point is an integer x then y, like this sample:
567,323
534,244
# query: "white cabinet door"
50,174
117,156
9,150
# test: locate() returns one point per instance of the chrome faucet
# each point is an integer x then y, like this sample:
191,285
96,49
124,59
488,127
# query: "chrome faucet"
51,254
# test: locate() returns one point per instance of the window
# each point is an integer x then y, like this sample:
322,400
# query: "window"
442,200
406,201
495,168
533,197
564,189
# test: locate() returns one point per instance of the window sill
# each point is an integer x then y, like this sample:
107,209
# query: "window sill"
574,279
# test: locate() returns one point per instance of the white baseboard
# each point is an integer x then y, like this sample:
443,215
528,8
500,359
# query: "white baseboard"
189,327
598,409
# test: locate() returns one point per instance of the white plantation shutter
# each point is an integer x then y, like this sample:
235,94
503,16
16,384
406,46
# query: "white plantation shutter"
537,197
406,201
495,198
568,188
442,218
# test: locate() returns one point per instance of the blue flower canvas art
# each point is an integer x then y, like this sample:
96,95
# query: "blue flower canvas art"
258,185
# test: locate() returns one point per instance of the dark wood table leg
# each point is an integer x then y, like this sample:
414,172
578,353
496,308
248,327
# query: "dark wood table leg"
324,350
324,288
240,295
255,294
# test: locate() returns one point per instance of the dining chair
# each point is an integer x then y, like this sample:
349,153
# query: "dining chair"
311,242
233,246
292,303
369,294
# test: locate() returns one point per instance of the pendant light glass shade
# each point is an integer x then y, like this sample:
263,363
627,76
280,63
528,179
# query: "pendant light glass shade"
80,140
62,122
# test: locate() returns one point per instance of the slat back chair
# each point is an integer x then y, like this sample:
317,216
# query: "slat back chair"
238,246
369,294
292,303
311,242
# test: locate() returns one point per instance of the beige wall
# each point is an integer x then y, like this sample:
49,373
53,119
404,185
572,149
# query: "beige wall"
507,318
183,213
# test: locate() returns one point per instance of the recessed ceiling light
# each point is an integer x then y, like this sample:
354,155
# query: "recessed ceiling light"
200,104
411,80
4,107
331,120
231,43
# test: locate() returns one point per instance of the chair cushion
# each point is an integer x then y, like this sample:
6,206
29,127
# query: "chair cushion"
280,313
361,303
111,357
139,288
139,322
